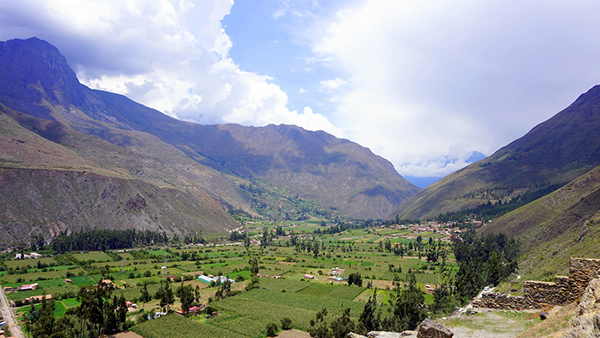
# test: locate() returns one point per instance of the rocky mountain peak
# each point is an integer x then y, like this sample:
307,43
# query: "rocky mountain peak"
33,70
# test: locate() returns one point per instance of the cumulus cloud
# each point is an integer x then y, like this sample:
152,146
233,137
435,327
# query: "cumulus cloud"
168,54
429,82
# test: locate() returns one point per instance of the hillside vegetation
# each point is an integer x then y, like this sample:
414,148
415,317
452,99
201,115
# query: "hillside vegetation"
562,224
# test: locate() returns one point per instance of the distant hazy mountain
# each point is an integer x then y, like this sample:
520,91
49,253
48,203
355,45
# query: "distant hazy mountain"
551,154
75,158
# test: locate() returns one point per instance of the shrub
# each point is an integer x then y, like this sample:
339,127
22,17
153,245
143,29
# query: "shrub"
286,323
271,329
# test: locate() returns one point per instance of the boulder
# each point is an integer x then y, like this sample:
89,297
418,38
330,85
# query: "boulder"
431,329
543,315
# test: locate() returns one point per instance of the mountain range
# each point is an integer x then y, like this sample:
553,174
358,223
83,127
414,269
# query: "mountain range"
552,154
543,189
73,158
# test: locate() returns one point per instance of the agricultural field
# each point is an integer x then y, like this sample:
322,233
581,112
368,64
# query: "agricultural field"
302,271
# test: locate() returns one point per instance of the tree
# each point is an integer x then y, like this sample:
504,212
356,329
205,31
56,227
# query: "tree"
186,296
355,278
165,294
343,325
265,238
247,242
121,309
407,309
145,296
91,309
43,326
197,294
253,261
370,318
319,328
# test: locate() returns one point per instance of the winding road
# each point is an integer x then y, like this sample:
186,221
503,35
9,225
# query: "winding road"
9,317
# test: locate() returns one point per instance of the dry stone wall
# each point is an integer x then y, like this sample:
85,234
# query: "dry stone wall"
536,295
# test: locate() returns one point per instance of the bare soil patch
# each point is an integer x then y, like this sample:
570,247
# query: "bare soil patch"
293,334
126,334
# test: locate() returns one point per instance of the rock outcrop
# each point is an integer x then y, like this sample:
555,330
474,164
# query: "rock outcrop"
586,322
427,329
431,329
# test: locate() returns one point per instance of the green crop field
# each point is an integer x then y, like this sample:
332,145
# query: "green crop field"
97,256
246,314
176,326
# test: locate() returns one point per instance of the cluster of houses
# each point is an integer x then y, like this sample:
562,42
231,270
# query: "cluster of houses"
261,275
24,287
192,309
336,275
444,229
210,279
32,255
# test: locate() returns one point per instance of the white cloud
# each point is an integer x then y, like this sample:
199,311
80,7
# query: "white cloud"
429,82
332,84
172,55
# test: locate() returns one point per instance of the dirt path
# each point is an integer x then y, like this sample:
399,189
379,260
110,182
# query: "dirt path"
9,316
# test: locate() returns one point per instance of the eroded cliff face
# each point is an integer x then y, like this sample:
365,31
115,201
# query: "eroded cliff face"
47,202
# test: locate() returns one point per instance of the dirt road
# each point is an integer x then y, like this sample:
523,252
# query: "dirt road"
9,317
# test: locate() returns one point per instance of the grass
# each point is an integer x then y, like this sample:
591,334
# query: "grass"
97,256
557,320
493,322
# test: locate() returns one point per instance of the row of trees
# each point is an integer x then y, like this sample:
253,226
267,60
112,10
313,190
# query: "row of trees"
100,240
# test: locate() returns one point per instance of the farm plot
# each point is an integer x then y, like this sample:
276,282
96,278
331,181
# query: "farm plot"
176,326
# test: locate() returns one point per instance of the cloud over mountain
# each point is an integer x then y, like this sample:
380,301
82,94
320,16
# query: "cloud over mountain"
170,55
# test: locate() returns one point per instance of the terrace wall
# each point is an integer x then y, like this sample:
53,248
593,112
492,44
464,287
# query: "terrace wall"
536,295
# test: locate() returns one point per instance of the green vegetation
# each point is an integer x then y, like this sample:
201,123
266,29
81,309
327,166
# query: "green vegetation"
492,210
307,271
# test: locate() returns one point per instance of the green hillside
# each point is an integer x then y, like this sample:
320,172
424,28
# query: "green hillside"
553,153
562,224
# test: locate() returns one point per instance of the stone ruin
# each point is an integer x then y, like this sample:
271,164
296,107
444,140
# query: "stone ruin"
537,295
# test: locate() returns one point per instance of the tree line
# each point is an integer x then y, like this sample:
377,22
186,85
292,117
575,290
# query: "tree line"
101,240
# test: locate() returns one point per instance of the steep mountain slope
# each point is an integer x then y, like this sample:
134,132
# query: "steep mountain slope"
83,182
51,123
562,224
553,153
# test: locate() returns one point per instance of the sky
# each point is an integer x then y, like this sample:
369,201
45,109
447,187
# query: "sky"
429,85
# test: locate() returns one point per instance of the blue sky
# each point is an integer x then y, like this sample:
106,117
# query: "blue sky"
429,85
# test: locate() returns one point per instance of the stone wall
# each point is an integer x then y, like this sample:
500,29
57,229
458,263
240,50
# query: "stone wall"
501,301
581,272
558,293
563,290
